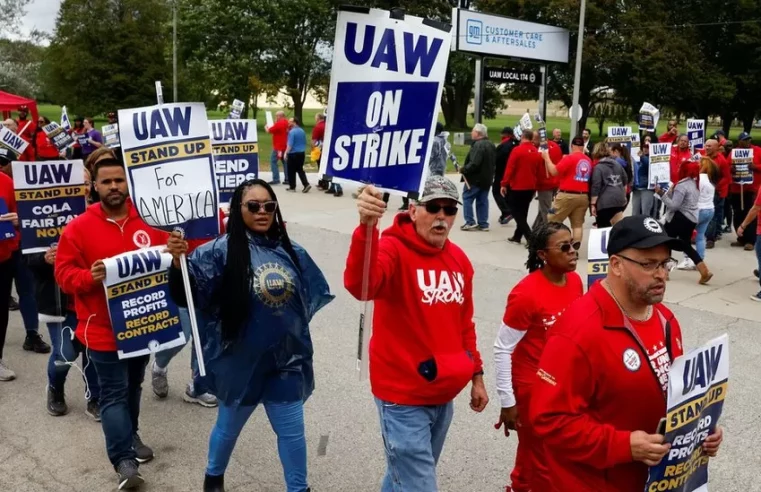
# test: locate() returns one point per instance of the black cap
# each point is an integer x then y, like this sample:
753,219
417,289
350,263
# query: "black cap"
744,136
508,131
5,156
639,232
439,127
578,141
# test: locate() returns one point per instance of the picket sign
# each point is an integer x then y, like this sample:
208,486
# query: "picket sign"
386,82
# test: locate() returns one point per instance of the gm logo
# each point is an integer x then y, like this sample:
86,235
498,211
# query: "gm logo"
474,27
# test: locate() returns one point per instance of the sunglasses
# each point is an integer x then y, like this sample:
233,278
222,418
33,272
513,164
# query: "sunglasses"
567,247
434,208
254,207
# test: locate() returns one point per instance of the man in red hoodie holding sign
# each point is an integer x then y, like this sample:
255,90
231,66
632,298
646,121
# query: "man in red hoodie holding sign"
107,229
423,348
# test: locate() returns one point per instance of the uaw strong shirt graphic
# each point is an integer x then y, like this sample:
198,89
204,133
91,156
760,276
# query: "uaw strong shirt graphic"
441,286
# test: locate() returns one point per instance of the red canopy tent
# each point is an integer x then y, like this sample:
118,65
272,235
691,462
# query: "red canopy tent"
11,102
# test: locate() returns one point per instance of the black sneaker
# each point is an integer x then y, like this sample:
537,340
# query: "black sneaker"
214,483
13,304
338,194
35,343
93,409
330,191
143,452
306,188
129,476
56,402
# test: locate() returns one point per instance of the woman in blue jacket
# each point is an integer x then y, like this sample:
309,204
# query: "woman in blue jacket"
256,292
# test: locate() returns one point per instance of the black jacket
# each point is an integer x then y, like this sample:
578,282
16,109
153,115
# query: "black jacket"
45,287
479,164
503,154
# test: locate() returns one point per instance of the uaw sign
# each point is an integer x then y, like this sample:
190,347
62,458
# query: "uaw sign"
385,87
236,154
513,76
170,170
597,254
60,137
143,316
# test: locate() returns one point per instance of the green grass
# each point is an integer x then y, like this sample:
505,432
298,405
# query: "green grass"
494,125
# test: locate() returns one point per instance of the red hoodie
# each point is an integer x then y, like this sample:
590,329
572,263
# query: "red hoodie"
88,238
523,167
7,194
585,415
279,131
423,309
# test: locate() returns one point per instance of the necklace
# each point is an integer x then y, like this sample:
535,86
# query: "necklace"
647,316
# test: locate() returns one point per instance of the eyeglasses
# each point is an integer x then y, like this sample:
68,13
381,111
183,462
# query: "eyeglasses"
566,247
652,266
434,208
254,207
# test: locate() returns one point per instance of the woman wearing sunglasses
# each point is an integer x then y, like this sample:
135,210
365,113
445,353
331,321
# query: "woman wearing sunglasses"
257,292
533,306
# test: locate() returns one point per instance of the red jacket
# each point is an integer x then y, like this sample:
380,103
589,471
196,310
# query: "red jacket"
677,157
29,131
7,194
45,148
749,188
318,132
667,137
523,167
88,238
279,131
423,310
546,181
726,174
585,415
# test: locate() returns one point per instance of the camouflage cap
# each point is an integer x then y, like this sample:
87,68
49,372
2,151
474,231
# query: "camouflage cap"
437,188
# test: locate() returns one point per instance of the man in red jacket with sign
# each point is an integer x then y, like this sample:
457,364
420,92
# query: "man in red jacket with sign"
602,382
279,131
423,347
107,229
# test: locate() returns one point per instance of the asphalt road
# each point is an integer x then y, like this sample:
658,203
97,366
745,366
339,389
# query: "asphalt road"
40,453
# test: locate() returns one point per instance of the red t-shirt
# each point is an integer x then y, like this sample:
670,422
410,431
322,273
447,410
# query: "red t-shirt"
757,203
533,306
654,339
279,133
574,171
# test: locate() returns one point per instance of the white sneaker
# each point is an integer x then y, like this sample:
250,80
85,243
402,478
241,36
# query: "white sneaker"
5,372
204,399
687,264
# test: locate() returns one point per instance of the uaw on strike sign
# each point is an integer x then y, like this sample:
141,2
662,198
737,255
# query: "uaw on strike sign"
170,170
143,316
697,389
385,87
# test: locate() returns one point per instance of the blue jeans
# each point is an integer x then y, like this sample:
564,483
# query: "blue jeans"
481,197
64,349
714,227
286,419
120,389
705,217
25,289
164,357
413,437
275,169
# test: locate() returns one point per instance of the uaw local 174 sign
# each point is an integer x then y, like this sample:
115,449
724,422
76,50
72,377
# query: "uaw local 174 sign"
49,195
236,154
597,254
385,88
12,142
60,137
697,389
143,316
170,169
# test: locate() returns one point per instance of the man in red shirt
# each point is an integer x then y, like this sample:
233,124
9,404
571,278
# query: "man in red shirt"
602,382
671,133
26,126
79,271
520,178
546,183
711,150
279,131
754,215
741,196
679,153
572,200
423,348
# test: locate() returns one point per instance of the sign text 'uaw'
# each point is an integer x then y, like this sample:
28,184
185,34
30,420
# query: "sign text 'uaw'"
386,82
236,154
170,168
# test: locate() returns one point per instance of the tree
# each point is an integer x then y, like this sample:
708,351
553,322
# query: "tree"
11,13
107,54
20,66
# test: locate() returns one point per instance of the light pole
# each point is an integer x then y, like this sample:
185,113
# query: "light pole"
577,71
174,50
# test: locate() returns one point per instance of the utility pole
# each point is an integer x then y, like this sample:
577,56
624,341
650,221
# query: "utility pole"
174,50
577,71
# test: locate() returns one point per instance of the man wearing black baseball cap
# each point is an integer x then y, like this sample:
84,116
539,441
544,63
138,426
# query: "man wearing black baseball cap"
602,381
500,163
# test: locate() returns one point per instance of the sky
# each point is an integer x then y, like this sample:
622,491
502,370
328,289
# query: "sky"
40,14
